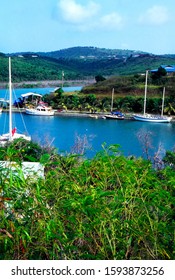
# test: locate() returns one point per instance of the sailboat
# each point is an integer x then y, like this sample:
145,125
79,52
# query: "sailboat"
148,117
12,134
114,115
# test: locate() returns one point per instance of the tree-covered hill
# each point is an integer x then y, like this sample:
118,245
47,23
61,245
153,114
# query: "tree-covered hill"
89,53
36,69
132,85
78,63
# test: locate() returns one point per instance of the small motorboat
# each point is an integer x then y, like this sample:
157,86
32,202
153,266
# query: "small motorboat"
40,110
115,116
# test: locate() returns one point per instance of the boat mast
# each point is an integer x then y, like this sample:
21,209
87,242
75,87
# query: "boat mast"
10,102
146,82
62,79
112,101
163,98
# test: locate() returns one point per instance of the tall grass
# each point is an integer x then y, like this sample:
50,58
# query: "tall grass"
109,207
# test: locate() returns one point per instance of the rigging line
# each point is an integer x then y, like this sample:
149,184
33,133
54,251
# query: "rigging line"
23,122
5,118
5,122
21,115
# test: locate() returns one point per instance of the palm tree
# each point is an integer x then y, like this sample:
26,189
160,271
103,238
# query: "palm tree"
170,108
89,107
64,106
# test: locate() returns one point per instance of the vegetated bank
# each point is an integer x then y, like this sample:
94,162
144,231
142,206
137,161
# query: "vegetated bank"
122,71
128,95
109,207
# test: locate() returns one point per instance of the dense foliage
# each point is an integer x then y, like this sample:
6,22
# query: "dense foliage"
133,85
79,63
88,53
108,207
21,150
93,103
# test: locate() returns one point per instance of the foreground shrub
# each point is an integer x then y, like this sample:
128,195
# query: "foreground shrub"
109,207
23,150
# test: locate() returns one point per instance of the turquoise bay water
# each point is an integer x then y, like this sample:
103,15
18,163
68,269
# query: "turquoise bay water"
60,132
17,92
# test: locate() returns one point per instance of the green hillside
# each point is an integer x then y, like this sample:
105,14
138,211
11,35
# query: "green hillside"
89,53
79,63
35,69
132,85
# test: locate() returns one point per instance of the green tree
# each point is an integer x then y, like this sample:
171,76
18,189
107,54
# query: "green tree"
157,77
169,159
59,92
170,108
99,78
91,98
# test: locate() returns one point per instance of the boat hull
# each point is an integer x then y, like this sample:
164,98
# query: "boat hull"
4,139
39,113
113,117
150,118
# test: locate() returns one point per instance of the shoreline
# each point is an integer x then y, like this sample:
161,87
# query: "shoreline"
128,116
72,113
47,83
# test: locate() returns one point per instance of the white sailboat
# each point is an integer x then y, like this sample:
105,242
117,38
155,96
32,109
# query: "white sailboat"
149,117
12,134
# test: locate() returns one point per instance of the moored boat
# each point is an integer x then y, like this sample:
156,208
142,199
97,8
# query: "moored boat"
12,134
149,117
40,110
115,116
152,118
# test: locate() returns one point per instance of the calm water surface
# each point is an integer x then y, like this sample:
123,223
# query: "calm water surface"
17,92
62,130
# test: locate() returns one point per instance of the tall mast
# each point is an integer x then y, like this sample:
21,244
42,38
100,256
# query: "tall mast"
112,101
62,79
10,102
146,82
163,98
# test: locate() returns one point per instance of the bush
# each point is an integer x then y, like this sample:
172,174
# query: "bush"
109,207
23,150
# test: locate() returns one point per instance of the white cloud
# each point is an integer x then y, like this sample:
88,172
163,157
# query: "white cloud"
112,21
157,15
89,16
75,13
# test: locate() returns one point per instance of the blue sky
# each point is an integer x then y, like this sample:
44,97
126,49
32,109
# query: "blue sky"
49,25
